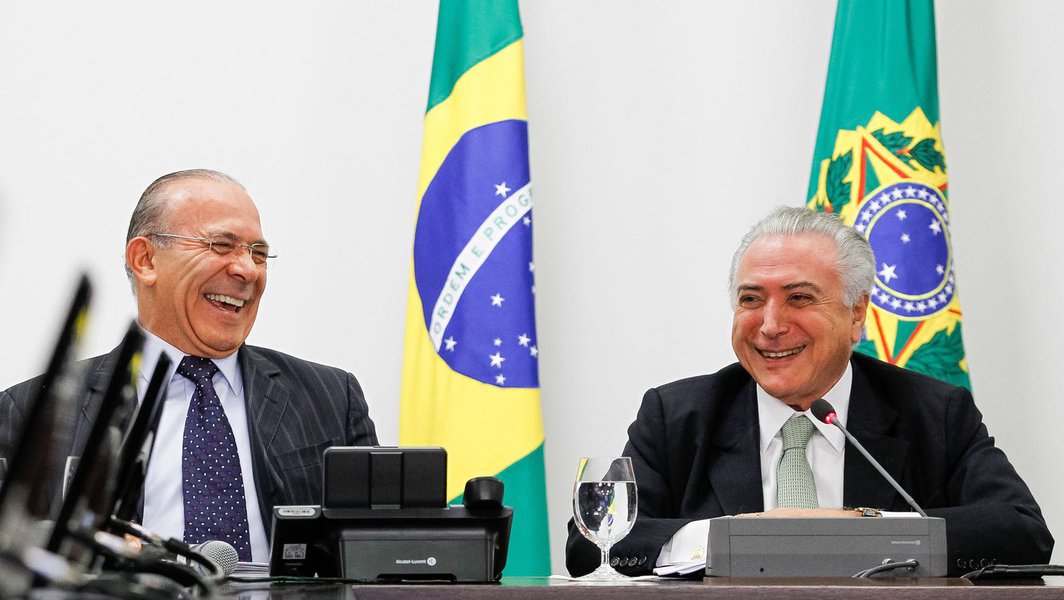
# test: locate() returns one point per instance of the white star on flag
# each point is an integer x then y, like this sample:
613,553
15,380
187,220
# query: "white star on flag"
935,228
887,273
497,300
527,221
940,269
905,238
523,339
497,342
500,379
533,351
501,189
449,342
496,359
900,213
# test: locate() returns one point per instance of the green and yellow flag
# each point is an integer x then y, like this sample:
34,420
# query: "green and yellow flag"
880,165
470,367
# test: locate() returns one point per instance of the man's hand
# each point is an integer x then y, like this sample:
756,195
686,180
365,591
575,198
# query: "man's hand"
803,513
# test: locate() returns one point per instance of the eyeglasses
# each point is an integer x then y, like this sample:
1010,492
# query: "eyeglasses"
223,246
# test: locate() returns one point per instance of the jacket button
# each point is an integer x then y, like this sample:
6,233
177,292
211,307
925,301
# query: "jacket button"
642,560
614,561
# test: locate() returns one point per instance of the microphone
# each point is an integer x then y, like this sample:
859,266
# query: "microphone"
222,554
823,410
87,502
213,559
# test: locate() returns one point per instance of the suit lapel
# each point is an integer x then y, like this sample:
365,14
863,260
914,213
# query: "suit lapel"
871,419
266,398
736,472
87,404
97,374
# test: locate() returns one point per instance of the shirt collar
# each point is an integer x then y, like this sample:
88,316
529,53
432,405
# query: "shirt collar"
773,413
154,346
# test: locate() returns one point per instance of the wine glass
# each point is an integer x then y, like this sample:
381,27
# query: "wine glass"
605,504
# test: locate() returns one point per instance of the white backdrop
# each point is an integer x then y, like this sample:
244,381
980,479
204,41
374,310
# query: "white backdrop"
659,132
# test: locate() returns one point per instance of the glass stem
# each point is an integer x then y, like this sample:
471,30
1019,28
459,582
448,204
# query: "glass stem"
605,550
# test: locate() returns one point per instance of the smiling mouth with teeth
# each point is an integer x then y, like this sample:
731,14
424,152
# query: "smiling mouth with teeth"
227,302
783,354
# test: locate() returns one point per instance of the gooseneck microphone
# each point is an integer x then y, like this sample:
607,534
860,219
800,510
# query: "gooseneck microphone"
823,410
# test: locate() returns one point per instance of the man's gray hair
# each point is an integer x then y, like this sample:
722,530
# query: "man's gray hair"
856,262
153,209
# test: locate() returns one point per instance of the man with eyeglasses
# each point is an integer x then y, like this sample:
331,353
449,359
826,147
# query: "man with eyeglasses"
243,428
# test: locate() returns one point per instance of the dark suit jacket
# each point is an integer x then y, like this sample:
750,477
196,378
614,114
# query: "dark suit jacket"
695,449
295,409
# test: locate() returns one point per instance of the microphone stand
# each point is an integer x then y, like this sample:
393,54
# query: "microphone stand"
823,410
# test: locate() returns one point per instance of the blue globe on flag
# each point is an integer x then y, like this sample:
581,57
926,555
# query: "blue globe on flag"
474,224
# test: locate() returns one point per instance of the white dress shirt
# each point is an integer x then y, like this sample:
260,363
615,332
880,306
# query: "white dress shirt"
164,509
825,452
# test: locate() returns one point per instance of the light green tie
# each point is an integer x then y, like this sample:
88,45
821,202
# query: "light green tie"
795,487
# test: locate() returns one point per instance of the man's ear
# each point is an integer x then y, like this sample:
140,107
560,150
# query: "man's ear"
860,311
140,257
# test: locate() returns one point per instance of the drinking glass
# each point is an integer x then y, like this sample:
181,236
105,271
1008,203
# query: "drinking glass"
605,504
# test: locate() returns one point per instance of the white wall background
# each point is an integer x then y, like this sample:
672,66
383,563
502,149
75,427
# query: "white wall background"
659,132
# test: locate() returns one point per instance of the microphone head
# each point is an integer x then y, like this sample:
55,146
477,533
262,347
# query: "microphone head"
824,411
221,553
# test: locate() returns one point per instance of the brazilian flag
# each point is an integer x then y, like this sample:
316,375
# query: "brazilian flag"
879,164
470,365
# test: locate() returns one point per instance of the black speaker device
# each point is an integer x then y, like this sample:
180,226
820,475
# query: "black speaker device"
384,518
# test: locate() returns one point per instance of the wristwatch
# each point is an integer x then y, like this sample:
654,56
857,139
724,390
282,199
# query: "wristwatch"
864,511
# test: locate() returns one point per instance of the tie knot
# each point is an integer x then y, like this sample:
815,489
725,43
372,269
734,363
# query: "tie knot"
796,432
197,368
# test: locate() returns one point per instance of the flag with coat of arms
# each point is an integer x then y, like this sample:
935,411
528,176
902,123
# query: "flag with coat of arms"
879,164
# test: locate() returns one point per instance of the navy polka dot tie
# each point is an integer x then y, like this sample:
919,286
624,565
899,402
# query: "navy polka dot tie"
210,467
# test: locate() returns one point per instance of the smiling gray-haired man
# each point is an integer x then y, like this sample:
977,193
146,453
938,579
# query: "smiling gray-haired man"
715,445
243,428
